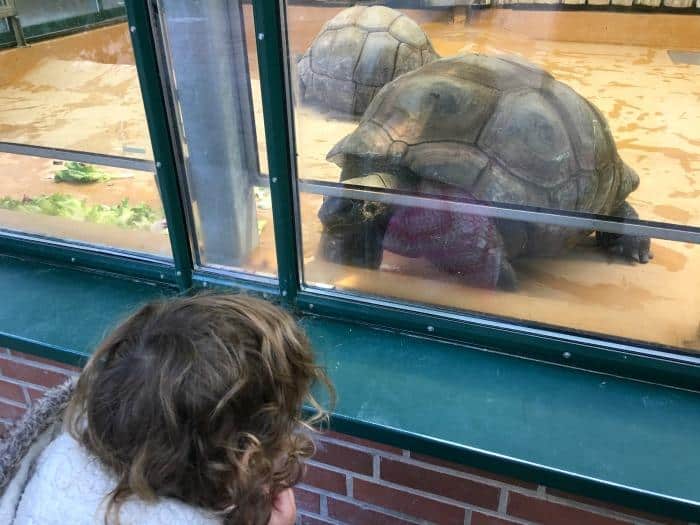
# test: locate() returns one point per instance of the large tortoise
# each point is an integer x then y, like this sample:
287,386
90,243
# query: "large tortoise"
356,53
477,127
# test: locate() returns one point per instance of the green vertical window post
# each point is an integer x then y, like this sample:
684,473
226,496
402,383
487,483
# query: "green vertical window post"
271,58
156,115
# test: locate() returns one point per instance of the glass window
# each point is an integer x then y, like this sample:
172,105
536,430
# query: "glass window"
529,164
77,92
75,154
220,127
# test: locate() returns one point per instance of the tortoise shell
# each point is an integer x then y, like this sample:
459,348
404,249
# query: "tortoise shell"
356,53
496,129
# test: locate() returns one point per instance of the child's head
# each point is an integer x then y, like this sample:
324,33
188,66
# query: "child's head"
200,399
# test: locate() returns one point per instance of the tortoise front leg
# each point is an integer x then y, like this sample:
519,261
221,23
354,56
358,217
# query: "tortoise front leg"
635,247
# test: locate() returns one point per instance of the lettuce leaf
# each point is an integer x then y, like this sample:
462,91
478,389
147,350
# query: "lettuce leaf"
80,173
141,216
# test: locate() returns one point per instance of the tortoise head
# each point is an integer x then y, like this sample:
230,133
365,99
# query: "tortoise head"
353,229
629,181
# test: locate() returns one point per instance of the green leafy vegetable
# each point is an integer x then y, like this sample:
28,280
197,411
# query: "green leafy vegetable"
80,173
141,216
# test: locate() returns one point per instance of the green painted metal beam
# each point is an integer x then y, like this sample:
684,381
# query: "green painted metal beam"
647,363
271,60
88,257
161,139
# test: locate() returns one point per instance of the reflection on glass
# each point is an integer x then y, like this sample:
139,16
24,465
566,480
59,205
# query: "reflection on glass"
82,202
461,261
78,92
33,12
112,4
532,111
211,65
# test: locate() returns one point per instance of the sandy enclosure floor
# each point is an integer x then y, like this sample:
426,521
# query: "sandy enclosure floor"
78,92
73,93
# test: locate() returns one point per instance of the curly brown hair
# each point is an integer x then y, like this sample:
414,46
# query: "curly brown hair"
200,399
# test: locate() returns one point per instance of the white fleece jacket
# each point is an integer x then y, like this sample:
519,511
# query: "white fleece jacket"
68,486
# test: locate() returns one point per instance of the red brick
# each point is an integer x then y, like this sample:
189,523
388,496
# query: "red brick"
43,360
308,501
8,411
11,391
406,503
549,513
362,442
310,520
324,479
357,515
344,457
482,519
474,471
31,374
453,487
617,508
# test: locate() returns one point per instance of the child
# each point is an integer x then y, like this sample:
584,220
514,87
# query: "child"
189,412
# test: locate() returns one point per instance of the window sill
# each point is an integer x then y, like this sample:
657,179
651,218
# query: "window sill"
62,313
600,436
609,438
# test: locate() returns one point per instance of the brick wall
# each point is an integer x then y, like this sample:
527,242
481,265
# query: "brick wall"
354,481
24,378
